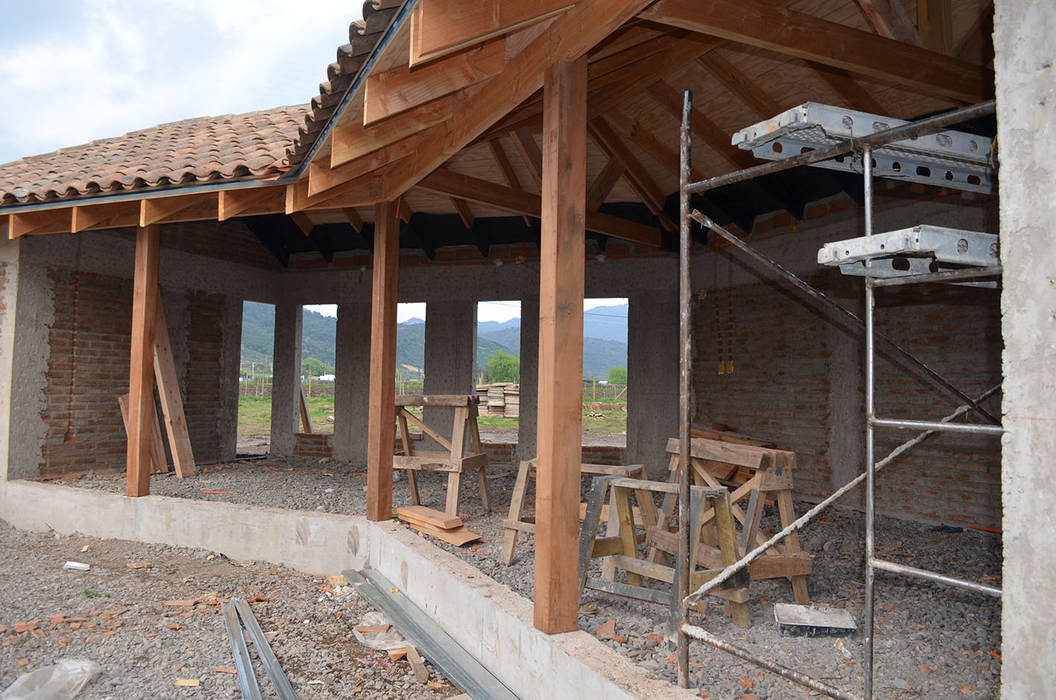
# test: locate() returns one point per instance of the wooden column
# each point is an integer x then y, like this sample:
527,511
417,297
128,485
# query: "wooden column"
560,413
381,426
141,369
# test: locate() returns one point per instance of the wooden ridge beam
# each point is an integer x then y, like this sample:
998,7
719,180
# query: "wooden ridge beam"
473,189
100,216
797,34
38,222
188,207
250,201
634,172
441,27
890,19
403,88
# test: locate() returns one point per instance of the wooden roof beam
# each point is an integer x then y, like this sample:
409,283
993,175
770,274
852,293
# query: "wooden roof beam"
356,192
403,88
850,90
603,183
797,34
250,201
524,143
740,84
703,127
487,193
635,173
38,222
890,19
354,140
935,21
304,223
99,216
188,207
441,27
354,219
464,212
499,154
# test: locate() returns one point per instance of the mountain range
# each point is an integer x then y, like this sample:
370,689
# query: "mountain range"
604,343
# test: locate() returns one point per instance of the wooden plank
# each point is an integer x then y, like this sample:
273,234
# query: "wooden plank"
729,452
323,176
890,19
473,189
406,415
560,394
448,400
621,498
464,212
509,537
381,428
39,222
421,673
935,22
352,141
354,219
737,82
141,368
711,133
429,516
99,216
525,145
787,511
188,207
171,401
403,88
408,451
636,174
158,465
459,536
303,222
790,33
251,200
510,175
603,183
440,27
458,450
306,418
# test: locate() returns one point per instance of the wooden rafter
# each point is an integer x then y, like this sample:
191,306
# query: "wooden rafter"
30,223
977,44
464,212
635,173
246,202
850,90
792,33
603,183
525,145
935,22
890,19
441,27
452,184
354,140
98,216
737,82
506,167
190,207
403,88
303,222
570,34
703,127
354,219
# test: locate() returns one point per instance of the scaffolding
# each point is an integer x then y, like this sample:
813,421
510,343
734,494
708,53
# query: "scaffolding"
836,138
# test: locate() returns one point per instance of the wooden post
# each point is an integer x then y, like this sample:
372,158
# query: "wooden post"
560,418
381,428
141,366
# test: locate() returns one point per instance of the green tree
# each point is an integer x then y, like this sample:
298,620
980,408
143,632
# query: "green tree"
617,375
315,367
503,367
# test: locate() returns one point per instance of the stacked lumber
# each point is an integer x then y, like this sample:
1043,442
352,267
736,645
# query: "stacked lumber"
440,525
511,394
500,399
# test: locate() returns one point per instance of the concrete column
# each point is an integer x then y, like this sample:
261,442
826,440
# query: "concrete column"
529,377
352,386
286,379
450,355
1025,65
230,361
652,378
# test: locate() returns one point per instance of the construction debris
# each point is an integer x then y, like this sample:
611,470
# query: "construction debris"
443,526
812,621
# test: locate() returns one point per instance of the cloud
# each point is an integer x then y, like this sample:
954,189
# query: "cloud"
111,67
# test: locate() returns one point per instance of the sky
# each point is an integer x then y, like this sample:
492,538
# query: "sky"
486,310
72,71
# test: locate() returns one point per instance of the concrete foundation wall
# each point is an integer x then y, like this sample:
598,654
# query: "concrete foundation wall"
1026,102
490,621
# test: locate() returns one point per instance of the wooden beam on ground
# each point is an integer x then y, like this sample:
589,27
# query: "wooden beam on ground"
98,216
561,282
171,398
890,19
381,428
141,367
480,191
935,22
403,88
603,183
354,219
187,207
525,145
790,33
635,173
303,222
739,84
250,201
39,222
441,27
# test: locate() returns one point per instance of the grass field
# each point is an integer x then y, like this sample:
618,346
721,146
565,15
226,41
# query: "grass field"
254,417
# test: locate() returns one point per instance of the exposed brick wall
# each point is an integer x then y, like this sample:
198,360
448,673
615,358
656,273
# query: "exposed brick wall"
89,343
228,240
314,445
202,374
783,355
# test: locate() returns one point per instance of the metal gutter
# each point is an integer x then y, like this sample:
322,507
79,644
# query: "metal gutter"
287,178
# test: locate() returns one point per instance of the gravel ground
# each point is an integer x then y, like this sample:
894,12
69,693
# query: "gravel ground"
930,641
116,616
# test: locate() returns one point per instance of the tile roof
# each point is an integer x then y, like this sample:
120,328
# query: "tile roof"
204,149
197,150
